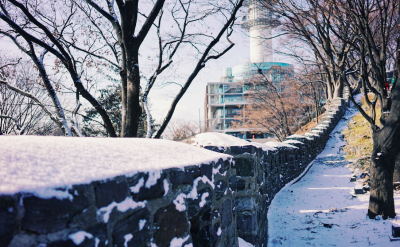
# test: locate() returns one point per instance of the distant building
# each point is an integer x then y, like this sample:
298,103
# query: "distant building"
225,99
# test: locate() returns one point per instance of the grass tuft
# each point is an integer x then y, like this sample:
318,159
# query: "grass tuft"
358,138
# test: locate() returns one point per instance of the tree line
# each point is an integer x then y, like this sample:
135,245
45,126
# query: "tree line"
354,44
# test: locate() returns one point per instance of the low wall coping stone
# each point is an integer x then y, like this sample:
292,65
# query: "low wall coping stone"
38,165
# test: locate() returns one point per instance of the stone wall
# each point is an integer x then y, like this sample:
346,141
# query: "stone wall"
261,174
210,204
173,208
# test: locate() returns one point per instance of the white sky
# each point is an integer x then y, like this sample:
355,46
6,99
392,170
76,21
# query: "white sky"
193,100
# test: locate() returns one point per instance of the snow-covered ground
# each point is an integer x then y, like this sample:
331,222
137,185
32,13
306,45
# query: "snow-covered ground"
321,208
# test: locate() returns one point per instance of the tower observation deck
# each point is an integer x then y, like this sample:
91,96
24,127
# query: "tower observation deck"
260,22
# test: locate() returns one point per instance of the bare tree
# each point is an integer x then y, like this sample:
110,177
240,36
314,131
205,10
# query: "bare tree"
311,25
180,130
83,35
311,87
275,107
353,42
376,23
19,114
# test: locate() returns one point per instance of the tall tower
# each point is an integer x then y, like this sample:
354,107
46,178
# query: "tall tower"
260,22
226,100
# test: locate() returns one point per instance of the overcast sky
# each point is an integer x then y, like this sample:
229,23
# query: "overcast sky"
193,100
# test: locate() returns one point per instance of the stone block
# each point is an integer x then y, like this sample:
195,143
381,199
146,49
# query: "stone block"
245,204
359,191
178,177
169,223
226,213
84,219
241,184
233,183
206,170
110,191
194,170
50,215
246,223
137,225
25,240
220,189
155,191
8,220
241,150
245,167
395,231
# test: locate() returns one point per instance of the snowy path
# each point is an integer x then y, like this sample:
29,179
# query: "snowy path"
325,196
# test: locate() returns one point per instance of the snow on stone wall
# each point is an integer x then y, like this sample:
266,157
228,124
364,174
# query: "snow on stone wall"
262,170
59,191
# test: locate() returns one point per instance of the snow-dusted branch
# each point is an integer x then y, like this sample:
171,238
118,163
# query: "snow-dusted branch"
34,98
21,130
148,116
76,125
42,71
62,52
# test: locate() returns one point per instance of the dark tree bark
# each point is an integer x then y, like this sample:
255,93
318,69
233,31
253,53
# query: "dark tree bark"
386,152
385,156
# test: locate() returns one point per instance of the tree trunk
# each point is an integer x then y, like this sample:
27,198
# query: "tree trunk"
316,110
329,89
131,110
385,155
381,200
338,89
130,120
396,173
